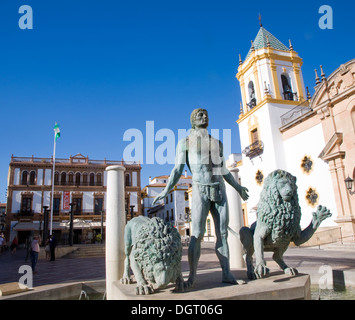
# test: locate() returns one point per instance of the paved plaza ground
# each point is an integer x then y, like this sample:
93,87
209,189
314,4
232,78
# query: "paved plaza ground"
62,270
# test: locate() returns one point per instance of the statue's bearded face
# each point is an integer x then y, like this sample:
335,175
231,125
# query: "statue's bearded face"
199,118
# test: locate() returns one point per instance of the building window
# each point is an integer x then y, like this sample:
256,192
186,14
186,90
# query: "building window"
186,196
85,179
287,89
32,178
26,205
98,205
127,180
63,179
77,202
312,197
56,205
56,178
77,179
92,179
167,216
171,197
24,178
254,135
71,178
172,215
252,98
99,179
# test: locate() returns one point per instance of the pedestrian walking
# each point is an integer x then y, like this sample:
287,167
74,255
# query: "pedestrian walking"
52,245
34,253
14,245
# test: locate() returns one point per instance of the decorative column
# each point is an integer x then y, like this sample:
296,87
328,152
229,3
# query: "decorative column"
235,223
115,226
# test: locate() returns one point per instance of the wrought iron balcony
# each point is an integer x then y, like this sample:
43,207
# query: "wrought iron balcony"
254,150
296,113
25,213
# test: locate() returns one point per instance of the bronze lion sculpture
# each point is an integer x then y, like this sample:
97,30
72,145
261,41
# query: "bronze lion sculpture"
153,251
278,223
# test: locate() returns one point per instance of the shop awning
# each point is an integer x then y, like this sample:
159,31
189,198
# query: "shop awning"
31,226
77,224
83,224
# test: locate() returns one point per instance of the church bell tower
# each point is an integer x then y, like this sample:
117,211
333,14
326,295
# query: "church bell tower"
271,84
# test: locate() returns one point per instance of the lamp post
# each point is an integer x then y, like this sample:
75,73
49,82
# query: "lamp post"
349,185
71,225
132,214
102,226
45,225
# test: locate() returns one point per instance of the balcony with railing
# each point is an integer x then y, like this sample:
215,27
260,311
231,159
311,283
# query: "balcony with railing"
79,184
25,213
72,160
76,212
296,114
254,150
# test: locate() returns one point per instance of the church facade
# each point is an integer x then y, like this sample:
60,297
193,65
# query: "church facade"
282,127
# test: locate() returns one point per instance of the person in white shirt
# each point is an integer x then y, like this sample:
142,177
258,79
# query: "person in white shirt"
34,252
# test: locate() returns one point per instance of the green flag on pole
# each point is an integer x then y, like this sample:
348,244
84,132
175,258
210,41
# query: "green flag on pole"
56,131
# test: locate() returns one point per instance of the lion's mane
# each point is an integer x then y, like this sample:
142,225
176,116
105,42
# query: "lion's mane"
158,243
283,217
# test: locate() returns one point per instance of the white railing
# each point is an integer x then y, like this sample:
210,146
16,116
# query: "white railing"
295,113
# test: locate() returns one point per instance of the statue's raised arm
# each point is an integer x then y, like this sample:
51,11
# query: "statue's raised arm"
175,175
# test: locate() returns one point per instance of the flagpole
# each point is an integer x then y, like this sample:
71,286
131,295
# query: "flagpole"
52,195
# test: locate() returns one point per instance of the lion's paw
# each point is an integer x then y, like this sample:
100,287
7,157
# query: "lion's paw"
251,275
126,280
188,284
290,271
144,289
261,271
321,214
179,284
179,287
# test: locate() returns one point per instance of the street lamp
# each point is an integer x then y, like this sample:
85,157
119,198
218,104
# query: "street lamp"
45,224
349,185
132,214
71,224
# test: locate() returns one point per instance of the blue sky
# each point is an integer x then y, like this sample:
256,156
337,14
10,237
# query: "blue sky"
99,68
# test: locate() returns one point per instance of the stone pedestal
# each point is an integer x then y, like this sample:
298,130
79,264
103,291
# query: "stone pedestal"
277,286
115,225
235,223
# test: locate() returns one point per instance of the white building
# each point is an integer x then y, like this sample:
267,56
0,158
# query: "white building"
274,102
175,207
77,180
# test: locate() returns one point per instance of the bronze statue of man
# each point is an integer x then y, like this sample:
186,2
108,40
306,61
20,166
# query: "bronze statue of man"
203,154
